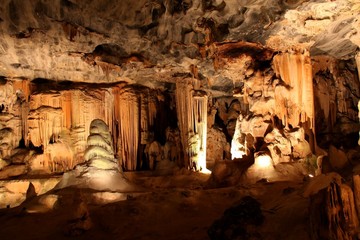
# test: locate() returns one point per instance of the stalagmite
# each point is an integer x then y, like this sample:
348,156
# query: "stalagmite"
101,170
192,121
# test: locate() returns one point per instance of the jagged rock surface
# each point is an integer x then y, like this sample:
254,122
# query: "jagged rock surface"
145,41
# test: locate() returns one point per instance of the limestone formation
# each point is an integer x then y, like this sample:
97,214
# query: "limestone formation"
100,171
334,202
217,147
192,116
255,90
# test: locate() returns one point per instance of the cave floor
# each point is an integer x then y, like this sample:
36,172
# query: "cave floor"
175,207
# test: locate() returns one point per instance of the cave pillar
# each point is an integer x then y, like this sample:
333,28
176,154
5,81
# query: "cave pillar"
191,108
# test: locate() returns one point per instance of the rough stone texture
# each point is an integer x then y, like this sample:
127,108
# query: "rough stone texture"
120,40
217,147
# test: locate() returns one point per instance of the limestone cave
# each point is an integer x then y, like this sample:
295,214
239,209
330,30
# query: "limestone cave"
180,119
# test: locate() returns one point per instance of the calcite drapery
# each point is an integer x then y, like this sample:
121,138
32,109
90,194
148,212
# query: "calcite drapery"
295,101
55,118
192,120
63,118
128,114
135,112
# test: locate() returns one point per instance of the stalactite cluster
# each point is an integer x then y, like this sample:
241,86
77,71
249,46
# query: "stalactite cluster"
128,113
135,112
294,102
192,120
59,120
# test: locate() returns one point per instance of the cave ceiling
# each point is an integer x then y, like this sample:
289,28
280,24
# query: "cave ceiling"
153,42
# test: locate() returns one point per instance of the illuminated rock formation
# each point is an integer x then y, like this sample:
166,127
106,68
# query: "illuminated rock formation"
192,117
294,100
135,112
289,99
217,147
100,171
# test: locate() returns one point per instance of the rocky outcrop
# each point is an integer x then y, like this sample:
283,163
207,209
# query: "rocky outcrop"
332,208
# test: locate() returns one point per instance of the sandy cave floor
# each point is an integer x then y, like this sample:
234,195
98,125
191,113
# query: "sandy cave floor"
173,207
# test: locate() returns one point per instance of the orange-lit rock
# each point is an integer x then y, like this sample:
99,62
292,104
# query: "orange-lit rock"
334,201
217,148
294,99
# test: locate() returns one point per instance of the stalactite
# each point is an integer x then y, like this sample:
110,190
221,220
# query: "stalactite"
238,149
144,126
298,105
200,118
25,108
127,113
44,122
61,117
183,92
192,120
152,105
67,107
294,102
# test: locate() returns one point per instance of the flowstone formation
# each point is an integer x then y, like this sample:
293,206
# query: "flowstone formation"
100,171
